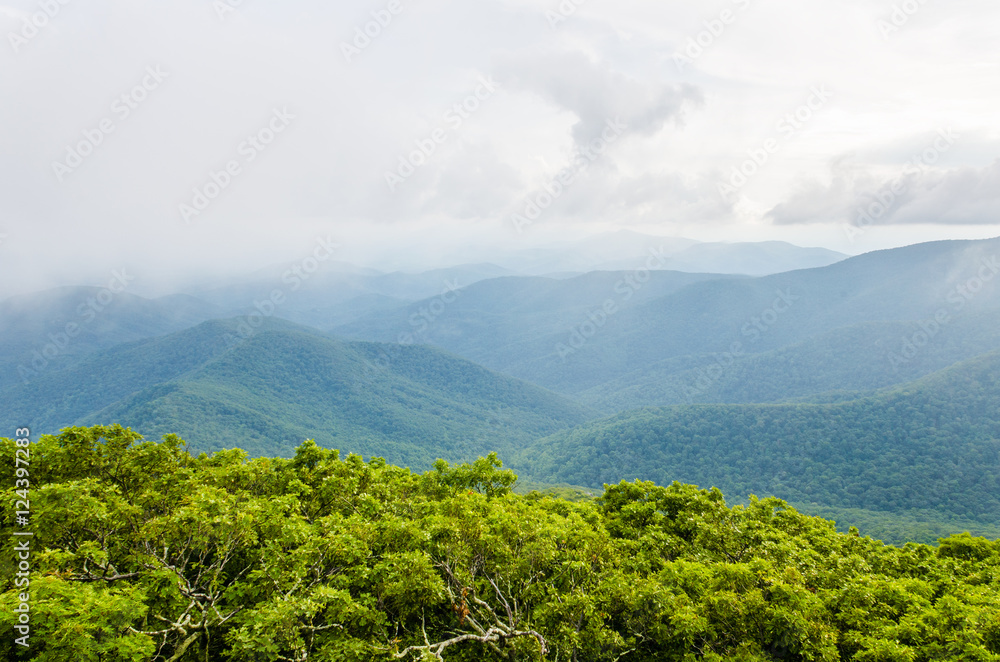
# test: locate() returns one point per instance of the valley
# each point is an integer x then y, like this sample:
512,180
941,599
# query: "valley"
840,387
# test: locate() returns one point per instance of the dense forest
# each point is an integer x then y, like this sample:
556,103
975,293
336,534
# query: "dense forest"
829,328
856,359
285,383
931,445
142,551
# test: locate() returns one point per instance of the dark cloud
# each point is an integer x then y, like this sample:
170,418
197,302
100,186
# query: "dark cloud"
596,94
957,196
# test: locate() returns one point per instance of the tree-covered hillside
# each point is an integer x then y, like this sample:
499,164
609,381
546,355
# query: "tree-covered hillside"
284,384
142,552
509,324
857,359
622,340
44,332
933,445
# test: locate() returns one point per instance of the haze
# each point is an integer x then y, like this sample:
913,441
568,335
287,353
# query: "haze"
117,115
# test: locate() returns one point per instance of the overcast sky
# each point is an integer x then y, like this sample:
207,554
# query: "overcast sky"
634,114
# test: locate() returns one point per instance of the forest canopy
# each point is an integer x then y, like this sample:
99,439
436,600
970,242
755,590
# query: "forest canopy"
142,551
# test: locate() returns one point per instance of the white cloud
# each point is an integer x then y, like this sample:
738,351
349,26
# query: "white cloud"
916,195
354,119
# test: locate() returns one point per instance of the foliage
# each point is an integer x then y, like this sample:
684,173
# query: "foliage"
898,528
145,552
286,383
672,332
843,361
930,446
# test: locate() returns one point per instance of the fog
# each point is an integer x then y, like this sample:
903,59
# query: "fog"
191,140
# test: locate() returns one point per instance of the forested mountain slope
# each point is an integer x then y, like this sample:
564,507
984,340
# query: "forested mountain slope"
602,338
284,384
507,323
53,329
932,445
859,358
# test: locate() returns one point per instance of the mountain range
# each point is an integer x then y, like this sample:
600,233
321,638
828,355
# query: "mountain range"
268,391
865,385
626,339
931,445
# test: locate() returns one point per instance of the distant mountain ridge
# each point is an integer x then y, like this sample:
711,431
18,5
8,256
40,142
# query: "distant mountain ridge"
928,446
283,384
855,359
613,339
508,324
626,249
751,259
55,328
682,323
866,386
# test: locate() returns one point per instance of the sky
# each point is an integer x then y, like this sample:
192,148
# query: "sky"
192,139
